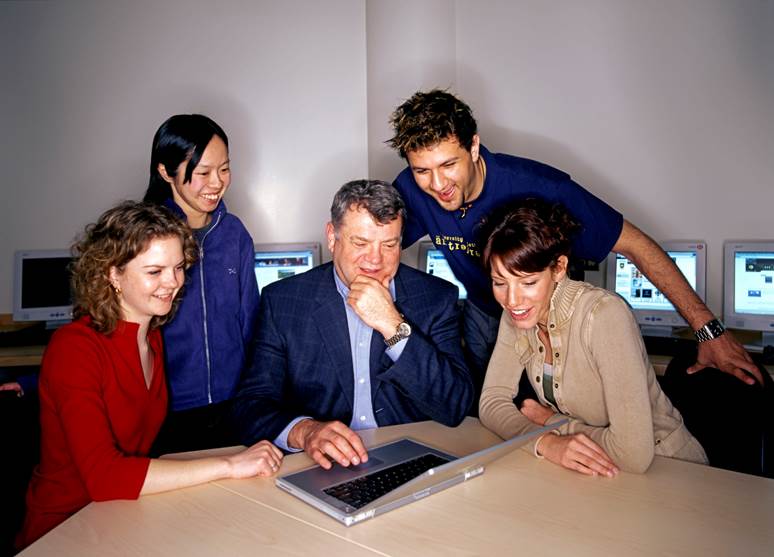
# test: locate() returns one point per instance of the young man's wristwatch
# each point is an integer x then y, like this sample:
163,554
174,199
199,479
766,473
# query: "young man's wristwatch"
711,330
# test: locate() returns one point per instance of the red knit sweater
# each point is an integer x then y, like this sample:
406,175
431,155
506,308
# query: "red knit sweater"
98,421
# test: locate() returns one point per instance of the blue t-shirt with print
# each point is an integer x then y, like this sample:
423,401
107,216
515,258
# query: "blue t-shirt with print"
507,178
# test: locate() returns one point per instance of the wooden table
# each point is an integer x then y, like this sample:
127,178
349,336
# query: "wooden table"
519,505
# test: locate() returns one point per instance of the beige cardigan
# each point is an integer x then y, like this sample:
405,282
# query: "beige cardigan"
603,380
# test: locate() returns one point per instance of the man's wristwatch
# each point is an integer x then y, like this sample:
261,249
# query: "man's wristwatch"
710,330
403,331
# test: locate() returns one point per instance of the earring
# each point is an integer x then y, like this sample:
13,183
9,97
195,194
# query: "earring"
117,289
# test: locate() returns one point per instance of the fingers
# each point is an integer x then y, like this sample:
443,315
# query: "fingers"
529,409
363,280
535,412
371,301
268,453
745,369
363,286
276,450
578,452
261,459
336,441
694,368
11,387
744,375
726,354
528,404
593,457
756,372
747,372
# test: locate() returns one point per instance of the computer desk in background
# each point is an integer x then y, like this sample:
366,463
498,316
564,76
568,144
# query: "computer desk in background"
31,355
15,347
17,356
520,505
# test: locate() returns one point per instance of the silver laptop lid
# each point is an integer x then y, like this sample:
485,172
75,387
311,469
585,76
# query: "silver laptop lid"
460,469
431,481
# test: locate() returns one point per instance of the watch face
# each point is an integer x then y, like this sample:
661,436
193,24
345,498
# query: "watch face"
716,327
404,329
713,329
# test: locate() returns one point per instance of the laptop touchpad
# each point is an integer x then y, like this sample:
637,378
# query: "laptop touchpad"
372,463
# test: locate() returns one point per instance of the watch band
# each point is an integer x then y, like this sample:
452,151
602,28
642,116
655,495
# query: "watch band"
711,330
403,331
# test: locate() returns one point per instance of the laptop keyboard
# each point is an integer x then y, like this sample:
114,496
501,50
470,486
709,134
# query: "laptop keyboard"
359,492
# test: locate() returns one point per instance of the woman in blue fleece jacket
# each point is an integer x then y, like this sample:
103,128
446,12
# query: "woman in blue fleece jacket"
207,343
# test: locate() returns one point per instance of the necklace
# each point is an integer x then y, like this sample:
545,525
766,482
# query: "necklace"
464,208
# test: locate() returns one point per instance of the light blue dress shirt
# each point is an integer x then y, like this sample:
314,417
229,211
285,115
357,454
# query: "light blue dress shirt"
363,414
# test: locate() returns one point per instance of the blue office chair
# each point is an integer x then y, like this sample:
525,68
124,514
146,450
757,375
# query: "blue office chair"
734,422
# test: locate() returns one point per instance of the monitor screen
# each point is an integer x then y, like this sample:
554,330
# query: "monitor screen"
278,261
748,289
651,307
432,261
42,286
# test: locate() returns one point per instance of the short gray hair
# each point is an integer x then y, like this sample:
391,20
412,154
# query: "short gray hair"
379,198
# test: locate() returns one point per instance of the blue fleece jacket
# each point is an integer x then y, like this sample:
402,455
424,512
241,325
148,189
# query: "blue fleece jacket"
207,343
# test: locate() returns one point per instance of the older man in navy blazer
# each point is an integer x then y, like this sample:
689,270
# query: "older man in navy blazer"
358,343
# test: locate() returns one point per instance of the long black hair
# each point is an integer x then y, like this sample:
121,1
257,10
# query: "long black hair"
183,137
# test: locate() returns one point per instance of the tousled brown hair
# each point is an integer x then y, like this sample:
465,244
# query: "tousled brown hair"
118,236
427,118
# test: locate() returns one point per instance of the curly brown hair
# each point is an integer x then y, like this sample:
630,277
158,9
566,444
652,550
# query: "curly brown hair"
527,236
118,236
427,118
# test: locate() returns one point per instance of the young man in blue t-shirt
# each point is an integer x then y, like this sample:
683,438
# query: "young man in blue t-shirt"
452,181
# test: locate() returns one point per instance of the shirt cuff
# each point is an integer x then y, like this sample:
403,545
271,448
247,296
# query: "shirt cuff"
282,439
396,349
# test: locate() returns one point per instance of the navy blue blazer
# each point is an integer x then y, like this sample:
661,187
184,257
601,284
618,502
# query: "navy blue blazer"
302,362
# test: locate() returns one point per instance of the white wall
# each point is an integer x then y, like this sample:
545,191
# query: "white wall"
86,84
411,46
664,109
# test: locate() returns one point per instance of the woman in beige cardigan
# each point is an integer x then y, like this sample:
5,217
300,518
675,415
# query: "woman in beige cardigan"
581,349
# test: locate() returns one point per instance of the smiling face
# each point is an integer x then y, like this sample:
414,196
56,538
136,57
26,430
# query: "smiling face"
363,246
448,172
526,296
209,182
150,282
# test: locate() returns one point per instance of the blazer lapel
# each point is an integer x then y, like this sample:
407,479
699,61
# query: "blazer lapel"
330,319
379,359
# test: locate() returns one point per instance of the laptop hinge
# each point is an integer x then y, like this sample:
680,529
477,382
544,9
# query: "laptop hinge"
473,473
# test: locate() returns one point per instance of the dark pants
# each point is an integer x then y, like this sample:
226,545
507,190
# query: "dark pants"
479,334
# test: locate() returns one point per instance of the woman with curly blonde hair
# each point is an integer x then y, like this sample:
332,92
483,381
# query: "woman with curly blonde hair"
103,393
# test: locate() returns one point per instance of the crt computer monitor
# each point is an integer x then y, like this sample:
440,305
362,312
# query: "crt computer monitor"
653,311
432,261
281,260
42,289
748,288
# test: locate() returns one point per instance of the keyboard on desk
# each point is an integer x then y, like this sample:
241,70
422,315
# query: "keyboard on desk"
359,492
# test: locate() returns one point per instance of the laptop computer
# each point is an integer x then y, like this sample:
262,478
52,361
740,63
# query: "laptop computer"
397,473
